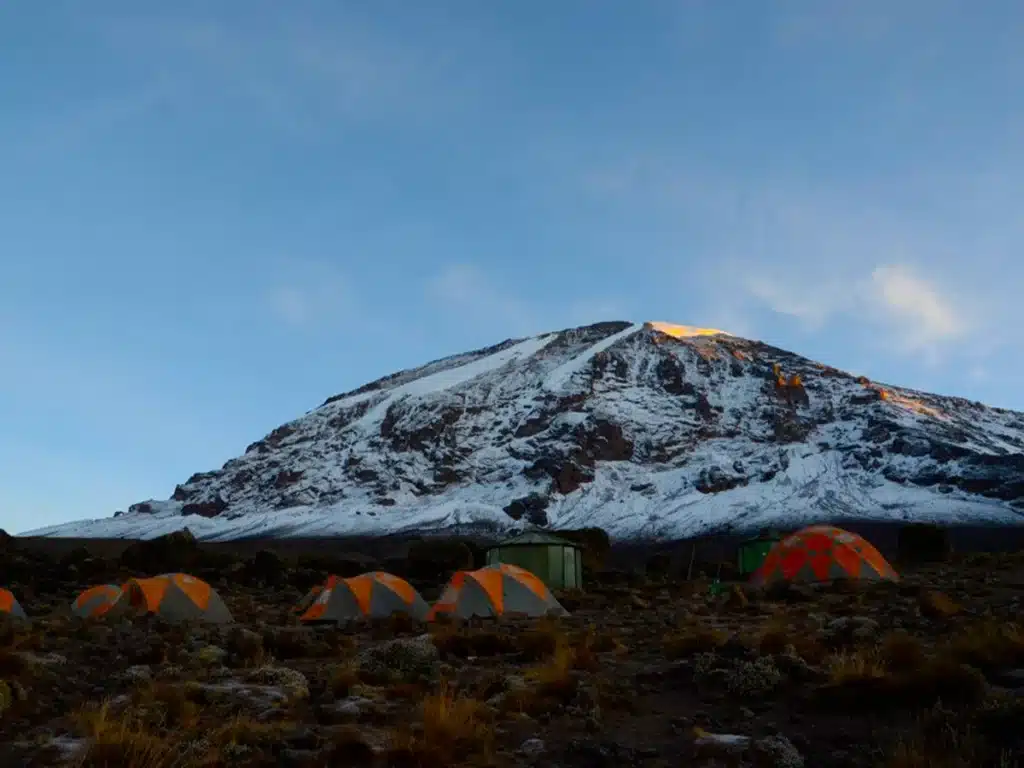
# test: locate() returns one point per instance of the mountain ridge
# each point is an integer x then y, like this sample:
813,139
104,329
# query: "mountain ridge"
649,430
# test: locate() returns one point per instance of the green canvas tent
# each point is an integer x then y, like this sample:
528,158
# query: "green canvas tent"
754,550
555,561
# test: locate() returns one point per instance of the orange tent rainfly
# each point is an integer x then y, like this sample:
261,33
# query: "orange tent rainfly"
177,597
497,590
9,604
303,605
823,553
367,596
99,601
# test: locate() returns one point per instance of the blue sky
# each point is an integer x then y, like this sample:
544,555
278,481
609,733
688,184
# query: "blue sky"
215,215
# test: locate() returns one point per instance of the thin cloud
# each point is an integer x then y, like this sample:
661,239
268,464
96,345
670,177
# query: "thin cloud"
887,261
813,305
910,308
926,317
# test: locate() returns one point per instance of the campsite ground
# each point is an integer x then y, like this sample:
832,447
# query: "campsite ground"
644,672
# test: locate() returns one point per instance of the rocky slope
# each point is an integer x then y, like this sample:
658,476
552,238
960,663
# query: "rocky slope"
646,430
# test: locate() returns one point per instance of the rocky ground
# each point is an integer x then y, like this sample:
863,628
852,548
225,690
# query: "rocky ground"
644,672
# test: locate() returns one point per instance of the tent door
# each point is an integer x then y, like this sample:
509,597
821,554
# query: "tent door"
569,567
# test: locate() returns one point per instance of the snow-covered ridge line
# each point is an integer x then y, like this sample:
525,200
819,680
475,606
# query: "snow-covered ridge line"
646,430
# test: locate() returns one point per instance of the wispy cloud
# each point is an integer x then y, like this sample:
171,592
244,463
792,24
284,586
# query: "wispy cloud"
910,309
889,262
918,307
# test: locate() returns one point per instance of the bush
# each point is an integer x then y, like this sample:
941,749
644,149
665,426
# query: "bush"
438,559
923,543
596,545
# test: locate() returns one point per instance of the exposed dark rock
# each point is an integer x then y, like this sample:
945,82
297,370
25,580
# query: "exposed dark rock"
716,480
532,506
604,441
205,508
704,407
670,373
181,493
534,425
287,477
446,475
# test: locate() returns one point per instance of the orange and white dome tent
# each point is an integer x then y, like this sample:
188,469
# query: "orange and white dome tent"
303,605
496,590
822,553
370,595
10,606
177,597
101,600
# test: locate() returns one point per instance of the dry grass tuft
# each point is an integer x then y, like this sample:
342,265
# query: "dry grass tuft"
693,639
846,668
901,650
937,605
540,641
170,703
988,645
122,741
783,633
944,739
865,681
455,729
341,678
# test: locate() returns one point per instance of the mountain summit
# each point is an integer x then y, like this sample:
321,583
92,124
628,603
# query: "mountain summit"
645,430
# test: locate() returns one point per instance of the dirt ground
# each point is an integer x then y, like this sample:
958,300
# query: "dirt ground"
644,672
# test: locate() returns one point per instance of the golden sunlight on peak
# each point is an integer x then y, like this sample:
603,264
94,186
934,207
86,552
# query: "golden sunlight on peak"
685,331
910,403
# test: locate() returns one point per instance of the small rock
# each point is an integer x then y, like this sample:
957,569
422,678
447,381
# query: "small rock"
354,706
720,744
776,752
138,673
532,747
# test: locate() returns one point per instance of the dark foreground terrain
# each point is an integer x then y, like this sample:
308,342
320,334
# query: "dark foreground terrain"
645,672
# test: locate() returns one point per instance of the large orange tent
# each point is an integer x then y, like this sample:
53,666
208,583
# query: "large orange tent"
303,605
101,600
177,597
368,596
9,605
822,553
171,596
496,590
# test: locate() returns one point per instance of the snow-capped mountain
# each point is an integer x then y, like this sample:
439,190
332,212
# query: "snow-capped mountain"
645,430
